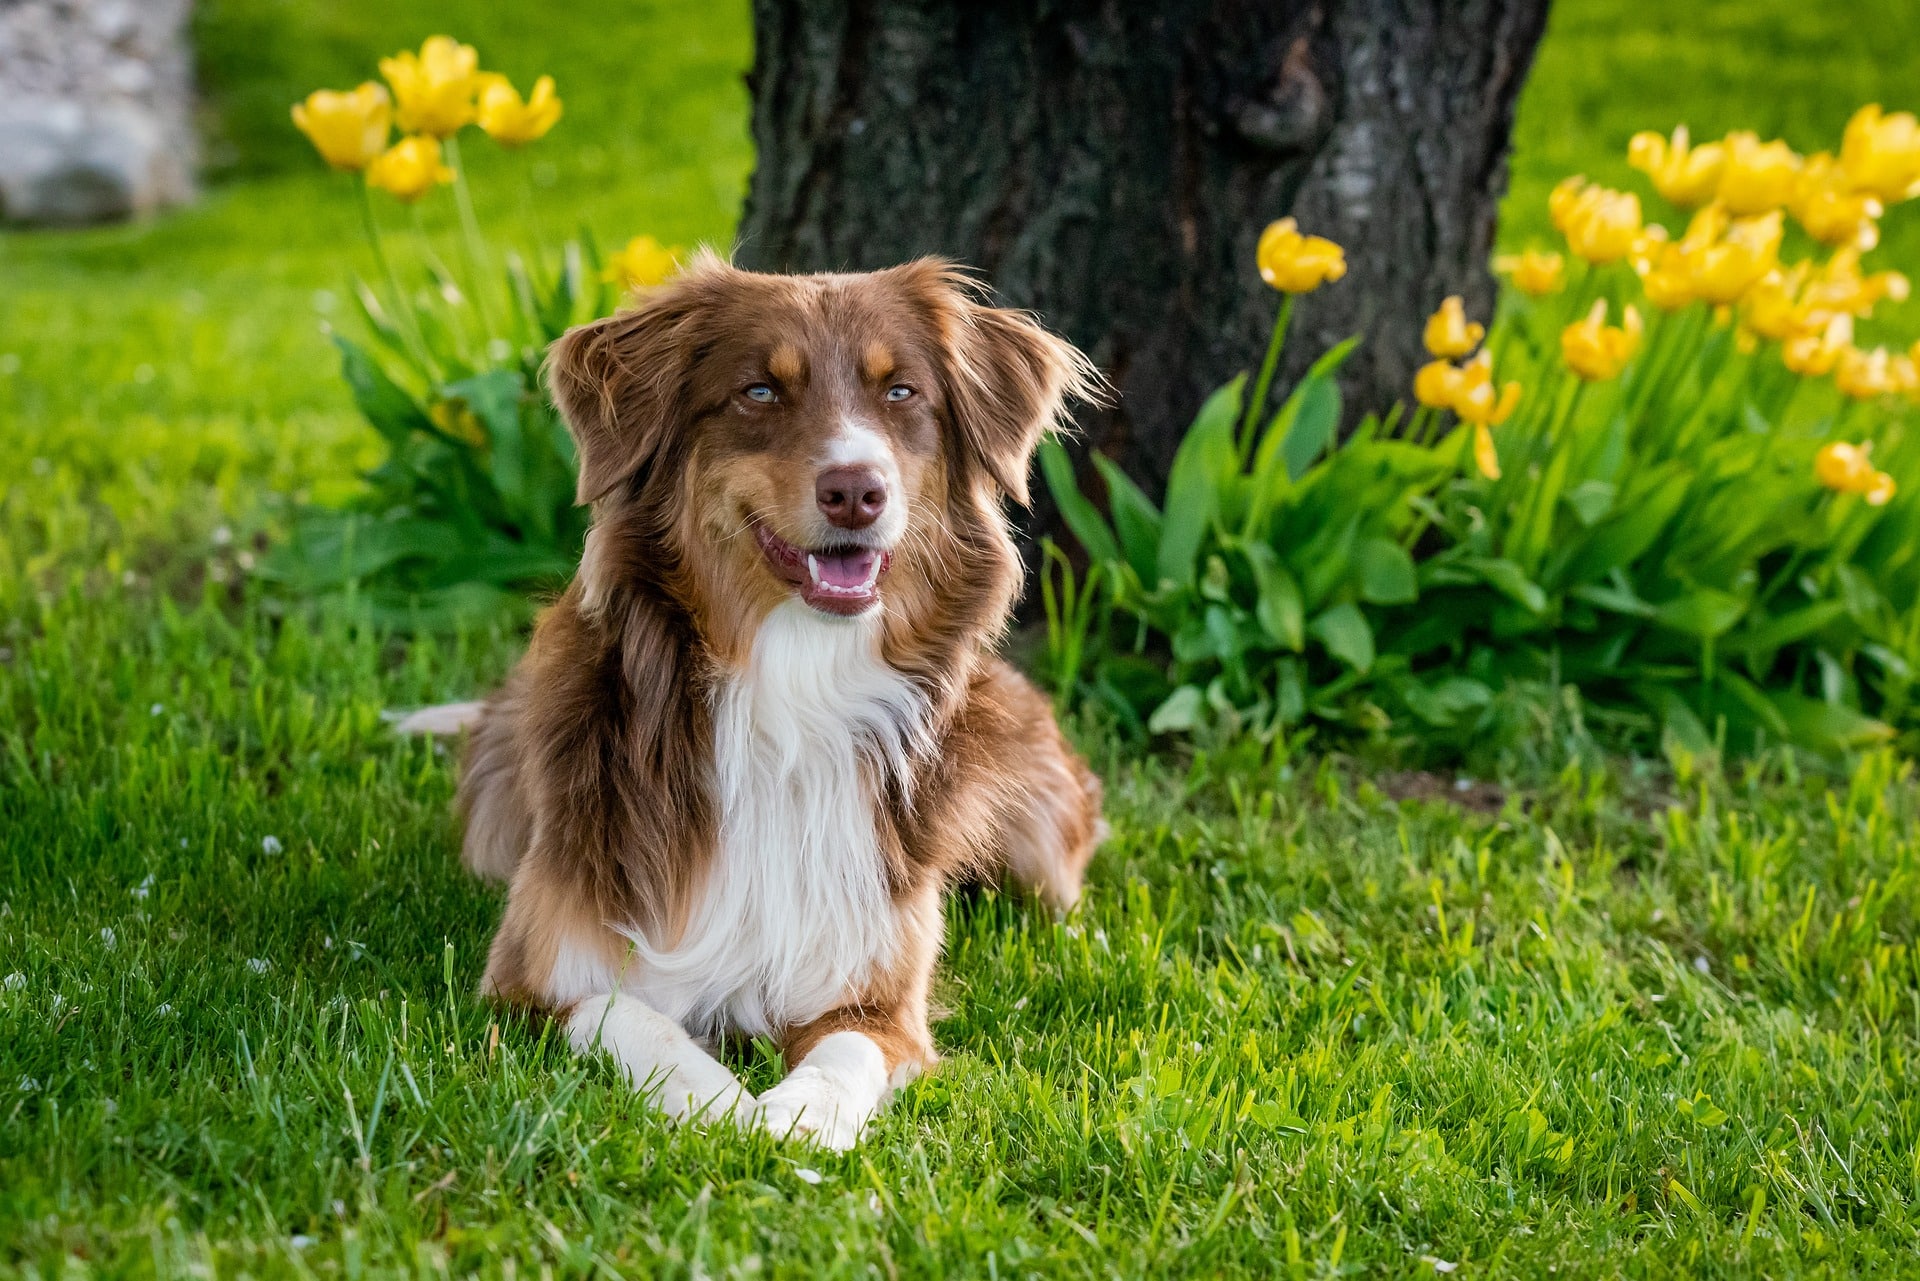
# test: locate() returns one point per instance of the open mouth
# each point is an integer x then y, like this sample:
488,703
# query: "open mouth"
841,580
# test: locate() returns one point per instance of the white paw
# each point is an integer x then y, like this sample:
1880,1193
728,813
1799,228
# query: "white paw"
812,1106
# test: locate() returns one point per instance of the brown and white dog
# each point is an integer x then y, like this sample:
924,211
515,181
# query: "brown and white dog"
764,728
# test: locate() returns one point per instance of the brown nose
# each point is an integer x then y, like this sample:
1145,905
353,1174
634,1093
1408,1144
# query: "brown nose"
851,497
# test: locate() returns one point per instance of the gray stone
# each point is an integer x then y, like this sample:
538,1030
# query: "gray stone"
96,109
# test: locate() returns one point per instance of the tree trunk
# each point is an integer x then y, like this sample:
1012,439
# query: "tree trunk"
1111,163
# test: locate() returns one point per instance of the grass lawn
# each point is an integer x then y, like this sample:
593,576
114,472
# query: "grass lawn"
1619,1018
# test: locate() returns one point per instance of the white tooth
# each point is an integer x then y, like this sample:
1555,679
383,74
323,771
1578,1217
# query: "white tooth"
873,572
813,569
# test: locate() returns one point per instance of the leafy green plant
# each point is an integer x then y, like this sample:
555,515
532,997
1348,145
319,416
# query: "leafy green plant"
1247,596
473,506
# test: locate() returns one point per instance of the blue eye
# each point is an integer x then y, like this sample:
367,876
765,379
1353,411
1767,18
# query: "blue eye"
761,394
899,391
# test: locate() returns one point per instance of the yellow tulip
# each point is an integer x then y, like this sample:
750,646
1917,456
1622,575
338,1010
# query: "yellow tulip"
1666,274
1597,351
1683,175
409,169
1841,287
347,129
642,264
1532,272
1485,456
1564,199
1881,153
512,122
1904,374
1864,375
1474,398
1297,264
1757,176
454,418
1815,350
1771,308
1848,469
1448,332
1467,390
1828,207
1436,384
1477,403
1725,269
435,87
1844,468
1602,225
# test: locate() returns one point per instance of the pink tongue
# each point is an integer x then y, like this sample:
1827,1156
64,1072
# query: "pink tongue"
846,569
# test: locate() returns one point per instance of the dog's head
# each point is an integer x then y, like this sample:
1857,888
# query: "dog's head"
840,439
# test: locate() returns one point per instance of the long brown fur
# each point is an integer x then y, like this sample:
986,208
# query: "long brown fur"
586,783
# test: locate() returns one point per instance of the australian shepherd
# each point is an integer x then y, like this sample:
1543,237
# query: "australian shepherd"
764,728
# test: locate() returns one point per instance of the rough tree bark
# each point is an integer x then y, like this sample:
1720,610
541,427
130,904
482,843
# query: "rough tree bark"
1110,164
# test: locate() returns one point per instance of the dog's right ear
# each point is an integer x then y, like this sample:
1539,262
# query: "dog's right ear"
620,382
614,383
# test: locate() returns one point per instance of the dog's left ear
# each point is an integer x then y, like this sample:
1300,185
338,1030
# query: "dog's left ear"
1008,380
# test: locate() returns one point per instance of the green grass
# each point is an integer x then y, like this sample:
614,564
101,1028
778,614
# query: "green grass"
1637,1021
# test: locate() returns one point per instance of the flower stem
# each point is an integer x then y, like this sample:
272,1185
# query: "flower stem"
405,323
1256,405
476,254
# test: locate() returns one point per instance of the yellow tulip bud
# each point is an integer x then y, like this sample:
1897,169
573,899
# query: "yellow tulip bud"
1815,350
1564,199
1841,287
1435,384
1864,375
1532,272
1757,176
1485,456
409,169
1843,467
434,88
1881,153
1771,307
1848,469
1665,274
1601,225
1683,175
1904,375
1724,270
1474,398
1448,332
1297,264
1830,209
1597,351
347,129
512,122
642,264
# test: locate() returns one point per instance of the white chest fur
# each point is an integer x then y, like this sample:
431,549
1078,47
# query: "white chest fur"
795,911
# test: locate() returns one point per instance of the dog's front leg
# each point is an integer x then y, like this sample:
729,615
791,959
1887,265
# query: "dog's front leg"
658,1058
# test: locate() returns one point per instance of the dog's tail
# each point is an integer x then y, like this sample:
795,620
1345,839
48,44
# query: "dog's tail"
445,719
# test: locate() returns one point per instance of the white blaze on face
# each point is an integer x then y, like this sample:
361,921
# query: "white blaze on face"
858,445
